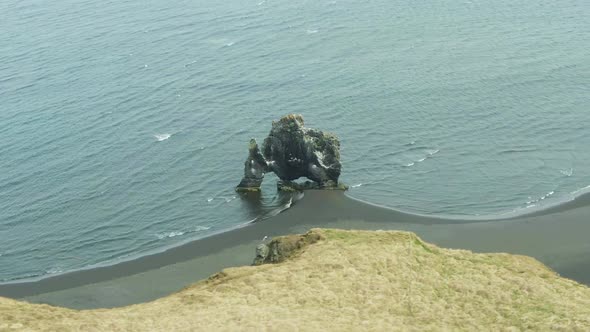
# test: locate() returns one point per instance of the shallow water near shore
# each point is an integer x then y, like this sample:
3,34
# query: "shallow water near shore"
124,125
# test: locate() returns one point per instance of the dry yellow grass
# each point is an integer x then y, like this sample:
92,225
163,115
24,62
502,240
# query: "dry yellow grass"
349,280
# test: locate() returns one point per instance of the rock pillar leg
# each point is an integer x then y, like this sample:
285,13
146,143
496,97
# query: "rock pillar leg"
254,169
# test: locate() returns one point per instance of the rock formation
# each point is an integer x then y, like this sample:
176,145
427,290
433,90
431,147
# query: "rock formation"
254,169
292,151
262,251
284,247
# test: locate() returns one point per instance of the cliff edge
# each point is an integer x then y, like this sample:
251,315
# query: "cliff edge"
340,280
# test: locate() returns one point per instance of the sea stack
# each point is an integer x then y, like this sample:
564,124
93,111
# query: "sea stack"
292,151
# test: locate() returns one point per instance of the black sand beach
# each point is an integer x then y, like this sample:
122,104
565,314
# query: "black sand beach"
557,236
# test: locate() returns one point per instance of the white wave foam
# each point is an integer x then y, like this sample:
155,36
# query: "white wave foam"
169,235
567,172
428,155
226,199
230,44
190,63
261,3
533,202
581,191
54,270
280,209
311,32
356,185
162,137
410,143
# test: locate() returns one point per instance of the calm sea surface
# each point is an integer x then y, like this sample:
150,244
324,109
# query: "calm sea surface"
124,124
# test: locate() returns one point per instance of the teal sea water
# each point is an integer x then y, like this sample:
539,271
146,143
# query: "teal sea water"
124,124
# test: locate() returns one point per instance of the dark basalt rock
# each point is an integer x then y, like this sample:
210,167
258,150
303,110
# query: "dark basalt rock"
254,169
292,151
282,248
290,186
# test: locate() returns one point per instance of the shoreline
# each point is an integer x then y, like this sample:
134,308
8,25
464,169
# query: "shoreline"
332,279
539,234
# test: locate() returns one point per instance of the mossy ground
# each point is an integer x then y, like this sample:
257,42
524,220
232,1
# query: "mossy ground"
348,280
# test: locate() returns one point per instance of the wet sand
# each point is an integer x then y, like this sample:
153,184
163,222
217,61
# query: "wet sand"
558,237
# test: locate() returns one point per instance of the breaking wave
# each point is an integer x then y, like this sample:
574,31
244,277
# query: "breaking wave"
162,137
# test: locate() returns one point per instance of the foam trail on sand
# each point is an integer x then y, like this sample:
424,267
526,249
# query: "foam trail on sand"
292,200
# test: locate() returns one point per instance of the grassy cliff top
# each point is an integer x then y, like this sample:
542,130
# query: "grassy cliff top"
346,280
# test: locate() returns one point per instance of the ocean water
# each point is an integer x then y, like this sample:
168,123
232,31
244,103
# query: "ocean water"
124,124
